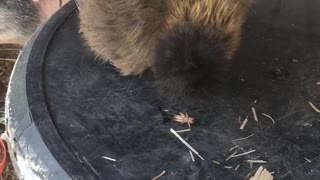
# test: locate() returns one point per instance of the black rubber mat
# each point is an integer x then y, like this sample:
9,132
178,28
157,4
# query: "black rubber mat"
96,112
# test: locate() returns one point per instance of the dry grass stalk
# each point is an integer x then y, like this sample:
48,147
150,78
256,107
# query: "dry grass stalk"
245,153
185,143
254,114
108,158
241,139
307,159
233,148
257,161
314,107
268,116
216,162
161,174
244,123
234,153
191,155
183,130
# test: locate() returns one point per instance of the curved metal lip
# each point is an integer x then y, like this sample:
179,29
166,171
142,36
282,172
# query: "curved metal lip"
36,99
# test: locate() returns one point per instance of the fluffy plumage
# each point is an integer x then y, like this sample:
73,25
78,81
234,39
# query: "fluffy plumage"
181,41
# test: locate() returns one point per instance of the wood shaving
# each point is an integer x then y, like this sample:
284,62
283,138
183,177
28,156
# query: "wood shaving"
234,153
241,139
307,159
185,143
161,174
191,155
257,161
216,162
183,130
245,153
262,174
254,114
108,158
183,119
268,116
244,123
314,107
237,167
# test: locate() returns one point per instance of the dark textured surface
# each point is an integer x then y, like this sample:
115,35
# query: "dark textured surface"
36,119
99,113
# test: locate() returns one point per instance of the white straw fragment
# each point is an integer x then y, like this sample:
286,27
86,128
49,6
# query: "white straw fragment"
240,139
257,161
233,148
244,123
185,143
314,107
161,174
183,130
228,167
268,116
245,153
307,159
318,83
254,114
237,167
191,155
234,153
108,158
216,162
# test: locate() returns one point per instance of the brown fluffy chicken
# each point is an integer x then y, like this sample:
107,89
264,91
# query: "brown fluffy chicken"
181,41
